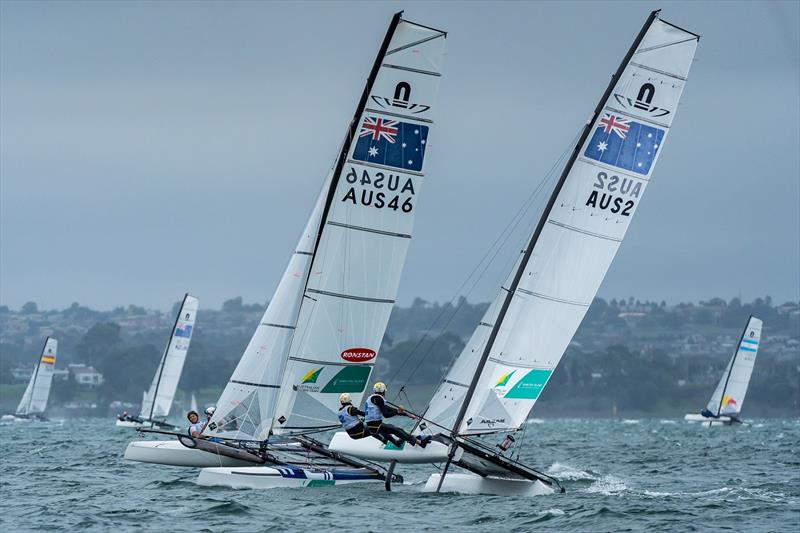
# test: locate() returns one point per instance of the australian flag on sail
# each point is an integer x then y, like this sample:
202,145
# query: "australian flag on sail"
183,330
624,143
391,143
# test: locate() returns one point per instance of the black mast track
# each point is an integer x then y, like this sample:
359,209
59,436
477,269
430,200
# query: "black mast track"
733,362
351,130
164,358
535,237
348,139
36,374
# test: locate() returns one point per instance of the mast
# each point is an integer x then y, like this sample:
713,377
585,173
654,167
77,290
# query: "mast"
351,130
531,244
164,358
733,362
36,374
346,144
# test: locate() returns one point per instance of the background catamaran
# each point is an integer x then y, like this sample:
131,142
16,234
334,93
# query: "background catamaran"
496,380
157,400
34,399
321,332
726,403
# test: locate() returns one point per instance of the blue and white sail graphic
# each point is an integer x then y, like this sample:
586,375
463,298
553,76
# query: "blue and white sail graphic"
624,143
391,143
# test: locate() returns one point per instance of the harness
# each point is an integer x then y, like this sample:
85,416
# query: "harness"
373,412
348,421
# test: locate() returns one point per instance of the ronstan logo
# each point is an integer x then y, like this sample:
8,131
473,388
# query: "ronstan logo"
358,355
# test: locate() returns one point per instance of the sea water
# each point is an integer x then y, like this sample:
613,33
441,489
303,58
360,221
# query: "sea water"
650,474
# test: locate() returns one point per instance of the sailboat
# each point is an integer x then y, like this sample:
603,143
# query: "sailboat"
321,332
490,390
193,404
34,399
157,400
726,403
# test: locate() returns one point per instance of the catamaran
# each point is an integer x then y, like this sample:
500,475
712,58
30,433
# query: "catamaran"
34,399
157,400
490,390
321,332
726,403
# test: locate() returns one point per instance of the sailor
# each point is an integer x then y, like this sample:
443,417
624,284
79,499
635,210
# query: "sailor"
349,417
196,428
376,409
124,416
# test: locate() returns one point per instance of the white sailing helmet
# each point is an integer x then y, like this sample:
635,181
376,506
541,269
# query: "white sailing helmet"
379,387
344,398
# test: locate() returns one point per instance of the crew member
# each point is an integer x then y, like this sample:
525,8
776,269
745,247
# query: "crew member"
376,409
349,417
196,428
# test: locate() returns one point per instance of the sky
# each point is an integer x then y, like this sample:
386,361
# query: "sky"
148,149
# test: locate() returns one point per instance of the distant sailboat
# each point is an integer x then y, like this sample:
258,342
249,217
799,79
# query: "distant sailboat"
726,403
322,330
495,382
34,400
157,400
193,404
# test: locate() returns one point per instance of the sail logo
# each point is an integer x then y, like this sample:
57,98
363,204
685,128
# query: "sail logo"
728,402
391,143
643,101
183,330
311,376
402,97
504,379
624,143
48,359
358,355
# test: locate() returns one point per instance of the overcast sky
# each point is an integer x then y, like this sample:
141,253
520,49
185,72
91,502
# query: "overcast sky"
149,149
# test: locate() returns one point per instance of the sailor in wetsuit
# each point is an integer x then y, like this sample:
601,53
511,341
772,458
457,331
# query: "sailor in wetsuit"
349,417
376,409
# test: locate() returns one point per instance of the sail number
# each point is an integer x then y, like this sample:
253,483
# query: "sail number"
380,190
620,196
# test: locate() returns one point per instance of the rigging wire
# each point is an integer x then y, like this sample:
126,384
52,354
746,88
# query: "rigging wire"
499,243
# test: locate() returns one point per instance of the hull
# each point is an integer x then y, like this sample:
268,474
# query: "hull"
706,421
472,484
374,450
173,453
275,477
15,418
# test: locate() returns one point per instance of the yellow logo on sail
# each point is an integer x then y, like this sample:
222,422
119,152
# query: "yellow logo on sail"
311,376
504,379
727,401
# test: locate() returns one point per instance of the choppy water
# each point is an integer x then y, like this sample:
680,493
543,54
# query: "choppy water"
619,475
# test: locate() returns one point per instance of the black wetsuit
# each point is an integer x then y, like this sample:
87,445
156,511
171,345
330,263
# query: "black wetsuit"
382,431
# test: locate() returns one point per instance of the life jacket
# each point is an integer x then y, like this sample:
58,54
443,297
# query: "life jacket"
373,412
348,421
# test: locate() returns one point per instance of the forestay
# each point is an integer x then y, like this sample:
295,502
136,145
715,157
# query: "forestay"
34,400
575,242
245,409
368,225
158,398
729,395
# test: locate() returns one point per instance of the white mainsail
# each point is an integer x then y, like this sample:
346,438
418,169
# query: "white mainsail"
508,364
157,400
362,245
34,400
729,395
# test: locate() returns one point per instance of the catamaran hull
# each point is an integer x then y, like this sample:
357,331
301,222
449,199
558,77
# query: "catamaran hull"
374,450
706,421
128,424
472,484
268,477
15,418
173,453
